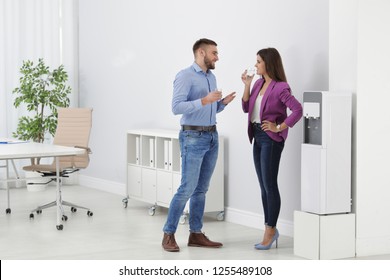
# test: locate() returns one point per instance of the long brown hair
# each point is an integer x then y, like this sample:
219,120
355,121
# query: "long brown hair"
273,64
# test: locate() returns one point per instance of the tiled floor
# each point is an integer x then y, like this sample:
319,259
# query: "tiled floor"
115,232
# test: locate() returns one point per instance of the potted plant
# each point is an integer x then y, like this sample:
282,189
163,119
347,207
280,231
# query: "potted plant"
41,90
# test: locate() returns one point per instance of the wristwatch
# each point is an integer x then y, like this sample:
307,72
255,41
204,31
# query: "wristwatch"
278,128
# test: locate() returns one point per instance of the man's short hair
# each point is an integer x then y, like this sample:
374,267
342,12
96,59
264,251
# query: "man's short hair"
201,42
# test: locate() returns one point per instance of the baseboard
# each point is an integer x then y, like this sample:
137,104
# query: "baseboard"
255,220
102,185
232,215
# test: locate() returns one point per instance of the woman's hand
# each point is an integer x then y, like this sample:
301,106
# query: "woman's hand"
247,80
269,126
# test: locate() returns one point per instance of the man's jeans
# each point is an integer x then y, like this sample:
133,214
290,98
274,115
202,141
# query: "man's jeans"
266,156
199,152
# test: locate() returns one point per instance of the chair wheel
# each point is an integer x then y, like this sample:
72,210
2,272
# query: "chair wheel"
125,202
39,212
73,209
8,211
221,216
183,219
31,216
152,211
64,218
60,227
89,214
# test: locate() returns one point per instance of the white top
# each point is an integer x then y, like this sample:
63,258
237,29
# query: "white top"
255,117
32,149
167,133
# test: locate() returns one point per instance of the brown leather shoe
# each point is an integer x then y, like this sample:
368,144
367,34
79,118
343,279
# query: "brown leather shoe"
169,243
198,239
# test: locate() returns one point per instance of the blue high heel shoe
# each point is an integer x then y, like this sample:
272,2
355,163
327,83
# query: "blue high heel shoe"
276,233
260,246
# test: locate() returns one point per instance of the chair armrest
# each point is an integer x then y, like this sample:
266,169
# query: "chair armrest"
89,151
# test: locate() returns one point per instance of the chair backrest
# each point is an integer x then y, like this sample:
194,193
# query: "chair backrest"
73,129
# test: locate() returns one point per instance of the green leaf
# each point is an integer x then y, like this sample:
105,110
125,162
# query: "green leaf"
41,91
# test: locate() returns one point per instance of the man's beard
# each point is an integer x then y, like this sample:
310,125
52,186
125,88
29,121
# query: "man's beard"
209,64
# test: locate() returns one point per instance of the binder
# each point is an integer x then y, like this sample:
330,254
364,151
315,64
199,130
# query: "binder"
166,154
170,155
137,150
151,152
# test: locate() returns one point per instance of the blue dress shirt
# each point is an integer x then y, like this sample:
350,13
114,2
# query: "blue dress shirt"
190,86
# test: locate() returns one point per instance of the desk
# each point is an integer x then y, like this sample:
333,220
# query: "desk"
30,150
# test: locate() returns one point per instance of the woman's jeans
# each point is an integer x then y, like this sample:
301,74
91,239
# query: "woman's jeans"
199,152
266,156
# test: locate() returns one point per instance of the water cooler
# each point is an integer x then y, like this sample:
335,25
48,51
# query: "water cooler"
326,153
325,228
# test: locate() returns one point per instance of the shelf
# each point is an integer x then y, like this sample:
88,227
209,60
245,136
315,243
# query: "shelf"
154,169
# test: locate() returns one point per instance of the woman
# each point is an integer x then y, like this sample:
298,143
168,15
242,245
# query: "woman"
268,123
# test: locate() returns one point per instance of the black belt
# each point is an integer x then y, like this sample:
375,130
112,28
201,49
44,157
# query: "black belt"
256,125
211,128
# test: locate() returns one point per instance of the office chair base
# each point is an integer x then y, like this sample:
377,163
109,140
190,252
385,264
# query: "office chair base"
73,209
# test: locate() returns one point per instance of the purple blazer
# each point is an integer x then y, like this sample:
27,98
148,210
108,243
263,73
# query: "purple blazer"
277,98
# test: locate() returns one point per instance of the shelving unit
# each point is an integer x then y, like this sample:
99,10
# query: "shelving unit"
154,171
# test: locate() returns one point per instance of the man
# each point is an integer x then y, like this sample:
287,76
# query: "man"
196,97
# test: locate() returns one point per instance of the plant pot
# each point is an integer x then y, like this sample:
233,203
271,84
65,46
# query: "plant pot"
35,182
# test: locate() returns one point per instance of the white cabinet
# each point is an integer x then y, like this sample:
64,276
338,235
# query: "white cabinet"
324,237
134,180
154,170
148,184
165,187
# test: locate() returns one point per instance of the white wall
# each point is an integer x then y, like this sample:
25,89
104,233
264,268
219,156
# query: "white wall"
359,58
130,52
29,30
373,129
343,26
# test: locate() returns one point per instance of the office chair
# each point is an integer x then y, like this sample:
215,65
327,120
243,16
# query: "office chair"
73,130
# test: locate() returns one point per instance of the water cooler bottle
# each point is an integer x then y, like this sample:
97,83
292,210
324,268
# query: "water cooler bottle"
326,153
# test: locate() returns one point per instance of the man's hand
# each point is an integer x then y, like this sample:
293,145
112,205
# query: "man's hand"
212,97
229,98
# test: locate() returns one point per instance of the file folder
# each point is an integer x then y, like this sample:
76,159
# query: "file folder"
166,154
151,152
137,150
170,155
